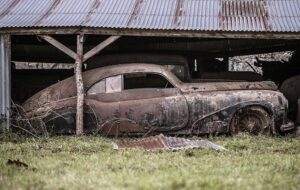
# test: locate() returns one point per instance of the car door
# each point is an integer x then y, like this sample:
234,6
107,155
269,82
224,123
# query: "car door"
102,109
149,102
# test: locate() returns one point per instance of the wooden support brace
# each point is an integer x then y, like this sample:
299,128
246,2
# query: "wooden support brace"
79,58
59,45
100,47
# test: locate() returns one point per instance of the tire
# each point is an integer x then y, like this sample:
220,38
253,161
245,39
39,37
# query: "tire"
253,120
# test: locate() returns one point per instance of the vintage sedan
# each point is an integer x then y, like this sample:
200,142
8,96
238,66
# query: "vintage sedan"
136,99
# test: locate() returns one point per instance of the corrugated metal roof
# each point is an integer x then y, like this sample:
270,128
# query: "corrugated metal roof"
202,15
166,143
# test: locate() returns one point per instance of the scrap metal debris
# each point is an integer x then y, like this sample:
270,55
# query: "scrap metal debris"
166,143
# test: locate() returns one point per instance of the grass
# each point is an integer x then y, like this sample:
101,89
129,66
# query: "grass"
90,163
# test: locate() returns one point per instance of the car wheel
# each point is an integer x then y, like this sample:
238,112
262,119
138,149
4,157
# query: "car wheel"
253,120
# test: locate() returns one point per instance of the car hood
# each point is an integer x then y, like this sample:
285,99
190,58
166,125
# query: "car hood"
224,86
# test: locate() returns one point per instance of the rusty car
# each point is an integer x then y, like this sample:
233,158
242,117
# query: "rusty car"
139,99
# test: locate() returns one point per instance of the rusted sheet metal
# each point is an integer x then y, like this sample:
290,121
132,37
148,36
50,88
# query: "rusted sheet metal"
244,15
186,15
136,11
10,6
173,108
92,10
162,142
179,12
51,8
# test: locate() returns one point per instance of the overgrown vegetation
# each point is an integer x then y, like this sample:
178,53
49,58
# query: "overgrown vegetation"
89,162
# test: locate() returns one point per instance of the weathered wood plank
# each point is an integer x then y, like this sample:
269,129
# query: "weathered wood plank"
153,33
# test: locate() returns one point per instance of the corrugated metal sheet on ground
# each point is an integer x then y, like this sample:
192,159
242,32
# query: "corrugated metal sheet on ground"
166,143
202,15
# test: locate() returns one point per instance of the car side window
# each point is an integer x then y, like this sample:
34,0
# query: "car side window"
107,85
145,80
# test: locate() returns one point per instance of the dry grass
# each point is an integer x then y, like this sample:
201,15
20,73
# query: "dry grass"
90,163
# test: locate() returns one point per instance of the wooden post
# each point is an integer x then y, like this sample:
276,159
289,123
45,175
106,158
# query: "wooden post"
79,85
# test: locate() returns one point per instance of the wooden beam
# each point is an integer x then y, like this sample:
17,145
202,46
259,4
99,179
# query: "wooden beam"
59,45
100,47
79,85
152,33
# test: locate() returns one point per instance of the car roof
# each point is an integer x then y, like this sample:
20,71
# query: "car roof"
67,87
91,76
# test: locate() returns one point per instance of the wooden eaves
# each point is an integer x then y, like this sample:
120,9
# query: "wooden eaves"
151,33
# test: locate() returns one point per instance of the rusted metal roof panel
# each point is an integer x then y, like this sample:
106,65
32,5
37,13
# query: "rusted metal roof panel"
166,143
244,16
199,15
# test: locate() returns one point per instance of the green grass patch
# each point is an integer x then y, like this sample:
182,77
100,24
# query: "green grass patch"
89,162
